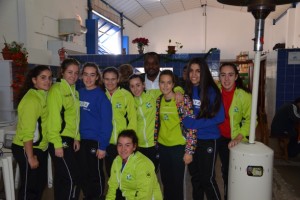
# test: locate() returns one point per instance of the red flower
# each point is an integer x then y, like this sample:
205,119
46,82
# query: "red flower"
18,55
141,41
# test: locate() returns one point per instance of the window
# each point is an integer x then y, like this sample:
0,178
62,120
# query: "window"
109,35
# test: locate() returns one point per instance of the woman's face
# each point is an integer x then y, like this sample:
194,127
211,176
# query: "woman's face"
166,85
136,86
43,81
194,74
228,77
71,74
125,147
89,77
110,80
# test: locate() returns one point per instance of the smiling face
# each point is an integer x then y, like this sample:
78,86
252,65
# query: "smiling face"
228,77
71,74
110,80
136,86
89,77
166,86
125,147
194,74
43,81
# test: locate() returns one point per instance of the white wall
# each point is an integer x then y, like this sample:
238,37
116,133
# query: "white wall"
296,39
8,20
230,31
36,23
132,31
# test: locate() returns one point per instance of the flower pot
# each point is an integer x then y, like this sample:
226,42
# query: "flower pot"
141,49
6,55
171,50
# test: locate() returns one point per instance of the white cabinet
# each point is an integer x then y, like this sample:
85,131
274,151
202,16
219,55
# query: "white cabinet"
7,111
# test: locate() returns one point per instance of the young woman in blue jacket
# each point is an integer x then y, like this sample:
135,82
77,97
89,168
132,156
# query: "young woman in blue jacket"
209,112
95,130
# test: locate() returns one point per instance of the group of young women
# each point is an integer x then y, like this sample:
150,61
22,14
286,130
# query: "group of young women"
82,128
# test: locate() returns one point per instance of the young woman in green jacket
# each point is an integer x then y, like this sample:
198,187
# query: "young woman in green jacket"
63,133
124,113
30,142
176,144
132,172
237,105
145,102
145,105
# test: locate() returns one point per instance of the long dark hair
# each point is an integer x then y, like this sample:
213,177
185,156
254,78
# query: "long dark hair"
238,82
207,109
28,84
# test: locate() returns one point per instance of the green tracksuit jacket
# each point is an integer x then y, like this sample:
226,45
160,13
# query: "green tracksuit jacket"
145,106
137,180
63,105
146,109
123,107
240,113
32,116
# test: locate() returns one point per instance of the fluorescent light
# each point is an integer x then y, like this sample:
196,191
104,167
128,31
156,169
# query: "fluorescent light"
98,14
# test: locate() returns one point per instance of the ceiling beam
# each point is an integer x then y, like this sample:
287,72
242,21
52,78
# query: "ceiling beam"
120,13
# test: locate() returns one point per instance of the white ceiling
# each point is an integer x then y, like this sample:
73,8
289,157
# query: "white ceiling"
142,11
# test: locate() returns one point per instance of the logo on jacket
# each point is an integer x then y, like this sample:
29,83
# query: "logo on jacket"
93,151
236,109
65,145
148,105
148,174
197,103
128,177
166,117
118,105
84,104
210,150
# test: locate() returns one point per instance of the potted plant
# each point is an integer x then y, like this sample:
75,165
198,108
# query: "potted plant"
173,48
18,54
141,43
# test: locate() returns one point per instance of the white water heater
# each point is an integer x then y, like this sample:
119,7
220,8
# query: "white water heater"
250,172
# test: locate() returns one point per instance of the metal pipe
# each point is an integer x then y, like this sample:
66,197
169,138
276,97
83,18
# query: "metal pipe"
254,96
259,34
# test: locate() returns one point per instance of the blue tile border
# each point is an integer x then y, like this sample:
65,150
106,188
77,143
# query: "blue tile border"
177,61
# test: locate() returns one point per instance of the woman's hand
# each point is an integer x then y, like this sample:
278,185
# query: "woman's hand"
76,145
178,97
100,154
33,162
187,158
59,152
235,141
